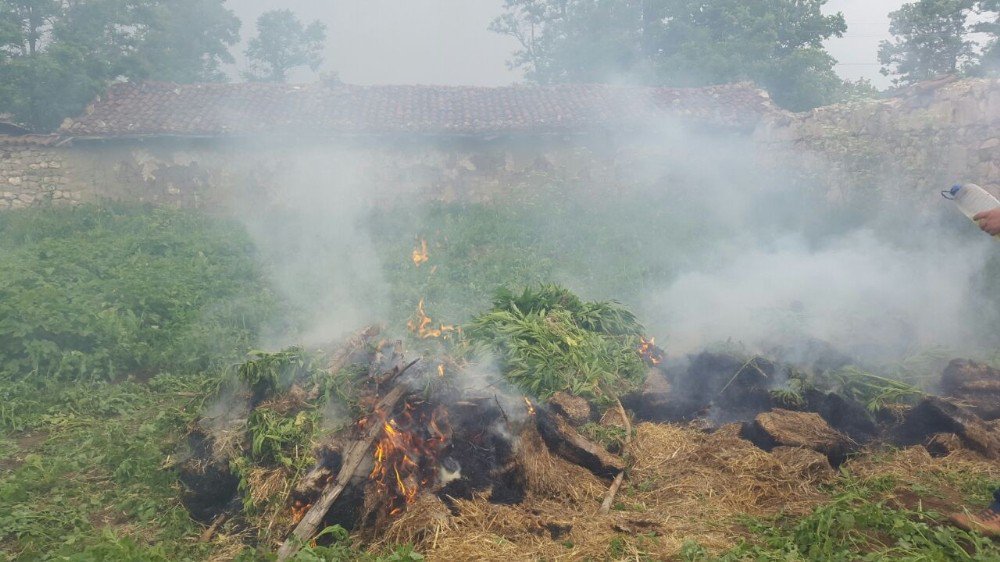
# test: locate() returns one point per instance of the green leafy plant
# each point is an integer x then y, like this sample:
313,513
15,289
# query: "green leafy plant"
611,436
266,373
549,340
873,391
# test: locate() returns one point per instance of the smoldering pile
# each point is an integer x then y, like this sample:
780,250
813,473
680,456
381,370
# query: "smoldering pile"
822,401
377,443
399,451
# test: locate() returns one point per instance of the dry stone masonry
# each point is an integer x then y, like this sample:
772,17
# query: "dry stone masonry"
129,147
32,173
913,145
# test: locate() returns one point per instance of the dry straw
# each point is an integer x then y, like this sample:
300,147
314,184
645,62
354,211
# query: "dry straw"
686,484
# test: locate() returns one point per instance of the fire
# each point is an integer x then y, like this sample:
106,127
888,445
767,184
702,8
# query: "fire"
299,510
531,408
441,369
407,455
420,324
649,351
420,253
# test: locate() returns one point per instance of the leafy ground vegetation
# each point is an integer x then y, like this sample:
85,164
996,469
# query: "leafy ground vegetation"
117,323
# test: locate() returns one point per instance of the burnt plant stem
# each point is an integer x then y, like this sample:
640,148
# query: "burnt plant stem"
354,456
609,498
749,363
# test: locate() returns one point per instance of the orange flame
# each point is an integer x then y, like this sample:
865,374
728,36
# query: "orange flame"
441,369
420,324
406,456
531,408
649,351
420,253
299,510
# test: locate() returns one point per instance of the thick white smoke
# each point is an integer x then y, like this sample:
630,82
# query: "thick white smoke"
864,295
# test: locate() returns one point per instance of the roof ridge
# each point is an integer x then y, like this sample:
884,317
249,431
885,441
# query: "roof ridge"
212,109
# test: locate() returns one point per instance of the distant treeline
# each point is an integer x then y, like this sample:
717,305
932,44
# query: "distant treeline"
56,55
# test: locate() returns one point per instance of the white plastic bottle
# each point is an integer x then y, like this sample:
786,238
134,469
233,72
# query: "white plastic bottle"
971,199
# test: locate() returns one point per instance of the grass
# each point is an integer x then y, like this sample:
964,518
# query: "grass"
93,484
111,292
858,523
116,322
473,248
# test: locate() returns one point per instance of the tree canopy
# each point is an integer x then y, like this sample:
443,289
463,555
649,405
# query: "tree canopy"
56,55
776,43
939,37
283,43
930,38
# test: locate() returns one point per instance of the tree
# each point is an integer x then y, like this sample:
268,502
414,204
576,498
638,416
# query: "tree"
283,44
56,55
22,24
990,58
777,43
930,38
186,40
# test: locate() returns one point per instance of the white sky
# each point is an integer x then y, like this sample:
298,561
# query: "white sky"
447,41
867,25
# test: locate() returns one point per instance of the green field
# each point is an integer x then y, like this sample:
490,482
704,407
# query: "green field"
116,322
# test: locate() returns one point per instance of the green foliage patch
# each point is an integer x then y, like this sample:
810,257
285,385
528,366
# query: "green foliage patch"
548,339
88,482
857,525
107,292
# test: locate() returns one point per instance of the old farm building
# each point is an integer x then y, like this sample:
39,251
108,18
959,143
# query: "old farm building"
202,144
208,142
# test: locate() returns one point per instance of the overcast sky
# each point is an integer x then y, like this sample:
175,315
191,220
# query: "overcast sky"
447,41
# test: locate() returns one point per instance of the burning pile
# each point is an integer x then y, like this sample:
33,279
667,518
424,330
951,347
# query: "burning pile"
408,455
449,441
518,463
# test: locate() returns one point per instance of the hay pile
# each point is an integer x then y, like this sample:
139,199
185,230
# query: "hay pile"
685,485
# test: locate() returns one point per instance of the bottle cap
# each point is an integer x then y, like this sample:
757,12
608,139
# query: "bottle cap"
953,192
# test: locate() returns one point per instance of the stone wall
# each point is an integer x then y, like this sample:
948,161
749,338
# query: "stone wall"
31,173
913,145
212,173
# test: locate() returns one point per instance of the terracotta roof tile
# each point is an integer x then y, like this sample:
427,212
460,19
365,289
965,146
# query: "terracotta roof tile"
247,109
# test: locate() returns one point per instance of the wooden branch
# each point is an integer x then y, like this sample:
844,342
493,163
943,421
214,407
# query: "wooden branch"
354,456
609,498
357,342
567,442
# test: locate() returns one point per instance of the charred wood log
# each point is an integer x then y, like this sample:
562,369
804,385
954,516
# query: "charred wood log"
798,429
574,408
975,385
565,441
354,456
346,353
329,459
936,415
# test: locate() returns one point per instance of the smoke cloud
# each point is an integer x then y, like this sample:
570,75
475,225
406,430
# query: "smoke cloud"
742,251
319,253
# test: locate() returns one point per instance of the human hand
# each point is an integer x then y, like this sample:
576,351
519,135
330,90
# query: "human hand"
989,221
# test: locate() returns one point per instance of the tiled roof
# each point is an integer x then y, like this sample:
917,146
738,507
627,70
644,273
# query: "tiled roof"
8,127
29,140
158,109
